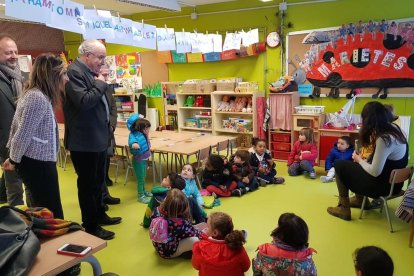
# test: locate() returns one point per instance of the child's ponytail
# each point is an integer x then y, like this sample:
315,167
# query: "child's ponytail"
235,239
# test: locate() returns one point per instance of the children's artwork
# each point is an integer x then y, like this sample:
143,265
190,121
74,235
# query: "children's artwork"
165,39
250,37
122,31
194,57
98,24
144,36
183,42
68,20
209,57
178,58
232,41
207,45
110,62
123,66
164,56
217,41
197,41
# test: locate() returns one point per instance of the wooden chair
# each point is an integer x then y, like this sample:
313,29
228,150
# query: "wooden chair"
224,146
397,176
202,156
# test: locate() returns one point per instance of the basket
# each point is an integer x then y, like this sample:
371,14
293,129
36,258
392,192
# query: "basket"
309,109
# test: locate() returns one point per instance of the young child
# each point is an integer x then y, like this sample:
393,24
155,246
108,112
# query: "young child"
263,165
252,149
372,261
222,253
172,181
342,150
303,155
171,231
191,189
216,177
242,173
139,145
288,254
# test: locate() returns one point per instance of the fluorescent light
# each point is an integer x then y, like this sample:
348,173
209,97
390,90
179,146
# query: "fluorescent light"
266,0
168,5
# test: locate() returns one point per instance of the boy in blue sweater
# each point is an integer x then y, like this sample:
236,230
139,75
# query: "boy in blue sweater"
342,150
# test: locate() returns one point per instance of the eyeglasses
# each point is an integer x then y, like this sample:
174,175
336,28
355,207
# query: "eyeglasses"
99,57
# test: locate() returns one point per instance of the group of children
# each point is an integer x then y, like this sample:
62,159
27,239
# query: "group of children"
177,222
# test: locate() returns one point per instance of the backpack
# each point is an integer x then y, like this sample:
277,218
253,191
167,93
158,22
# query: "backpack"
158,230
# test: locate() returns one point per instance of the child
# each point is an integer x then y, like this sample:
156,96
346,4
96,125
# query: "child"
342,150
139,145
372,261
222,253
215,180
191,189
254,144
171,232
288,254
263,165
303,155
172,181
242,173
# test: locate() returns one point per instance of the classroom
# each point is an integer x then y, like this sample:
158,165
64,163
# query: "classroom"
207,137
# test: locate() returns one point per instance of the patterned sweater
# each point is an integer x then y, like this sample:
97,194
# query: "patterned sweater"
33,131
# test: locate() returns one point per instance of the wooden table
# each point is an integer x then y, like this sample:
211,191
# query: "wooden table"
49,262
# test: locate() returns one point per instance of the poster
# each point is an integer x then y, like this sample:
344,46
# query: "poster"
124,66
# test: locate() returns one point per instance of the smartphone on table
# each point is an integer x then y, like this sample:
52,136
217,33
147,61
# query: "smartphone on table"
74,250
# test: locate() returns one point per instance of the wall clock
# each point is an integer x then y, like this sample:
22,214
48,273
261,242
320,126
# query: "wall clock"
273,39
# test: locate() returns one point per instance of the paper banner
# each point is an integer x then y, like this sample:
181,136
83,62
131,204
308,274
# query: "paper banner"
197,41
217,42
122,31
183,41
229,55
194,57
250,37
98,24
210,57
232,41
165,39
67,15
143,35
36,11
164,57
178,57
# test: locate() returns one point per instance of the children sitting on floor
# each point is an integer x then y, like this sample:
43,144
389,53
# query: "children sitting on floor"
171,231
342,150
216,178
222,253
372,261
263,165
303,155
191,188
288,253
242,173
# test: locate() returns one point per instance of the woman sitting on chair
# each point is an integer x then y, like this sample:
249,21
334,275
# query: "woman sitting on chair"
371,177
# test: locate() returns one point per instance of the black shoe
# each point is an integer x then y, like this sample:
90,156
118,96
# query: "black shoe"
71,271
107,220
102,233
111,200
106,207
244,191
236,192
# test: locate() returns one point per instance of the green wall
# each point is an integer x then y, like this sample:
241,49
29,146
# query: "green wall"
267,67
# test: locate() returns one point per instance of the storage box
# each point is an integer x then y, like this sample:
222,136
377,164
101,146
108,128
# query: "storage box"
281,137
206,87
190,88
282,155
309,109
244,125
226,86
281,146
244,87
191,122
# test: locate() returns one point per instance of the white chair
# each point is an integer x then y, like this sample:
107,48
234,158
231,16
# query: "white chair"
397,176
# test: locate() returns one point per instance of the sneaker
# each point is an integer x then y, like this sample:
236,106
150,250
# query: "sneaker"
236,192
147,194
262,182
278,180
375,204
325,179
244,190
143,199
312,175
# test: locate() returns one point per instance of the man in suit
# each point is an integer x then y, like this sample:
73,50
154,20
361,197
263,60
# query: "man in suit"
87,134
11,87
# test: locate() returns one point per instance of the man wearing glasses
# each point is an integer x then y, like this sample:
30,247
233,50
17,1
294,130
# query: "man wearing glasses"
87,129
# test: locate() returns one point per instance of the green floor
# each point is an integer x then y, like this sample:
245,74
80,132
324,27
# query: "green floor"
131,252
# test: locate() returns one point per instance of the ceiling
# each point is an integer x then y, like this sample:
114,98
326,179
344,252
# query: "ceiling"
127,9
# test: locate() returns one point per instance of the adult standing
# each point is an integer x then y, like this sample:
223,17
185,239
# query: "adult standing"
87,133
370,177
11,87
34,137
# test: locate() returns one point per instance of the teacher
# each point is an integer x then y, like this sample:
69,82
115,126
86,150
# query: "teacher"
371,177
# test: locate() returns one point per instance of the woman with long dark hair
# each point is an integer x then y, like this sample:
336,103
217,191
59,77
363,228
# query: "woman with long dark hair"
34,137
370,177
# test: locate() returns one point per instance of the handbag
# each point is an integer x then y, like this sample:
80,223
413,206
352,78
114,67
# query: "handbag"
19,246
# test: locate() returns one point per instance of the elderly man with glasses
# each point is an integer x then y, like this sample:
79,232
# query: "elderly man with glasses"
87,134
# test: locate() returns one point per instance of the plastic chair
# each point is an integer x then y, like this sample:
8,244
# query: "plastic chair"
397,176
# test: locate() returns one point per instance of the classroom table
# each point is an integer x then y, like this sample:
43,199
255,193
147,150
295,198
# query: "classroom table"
48,262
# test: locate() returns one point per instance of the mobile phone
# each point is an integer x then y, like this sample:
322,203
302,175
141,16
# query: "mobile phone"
357,146
74,250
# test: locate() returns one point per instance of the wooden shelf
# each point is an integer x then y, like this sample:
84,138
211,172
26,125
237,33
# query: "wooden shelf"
234,93
193,107
233,113
189,94
232,131
197,128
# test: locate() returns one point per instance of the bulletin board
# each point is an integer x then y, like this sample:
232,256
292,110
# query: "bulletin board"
295,47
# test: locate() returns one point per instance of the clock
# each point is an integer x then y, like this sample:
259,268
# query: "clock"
273,39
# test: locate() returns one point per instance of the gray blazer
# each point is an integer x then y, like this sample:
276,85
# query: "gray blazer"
86,120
